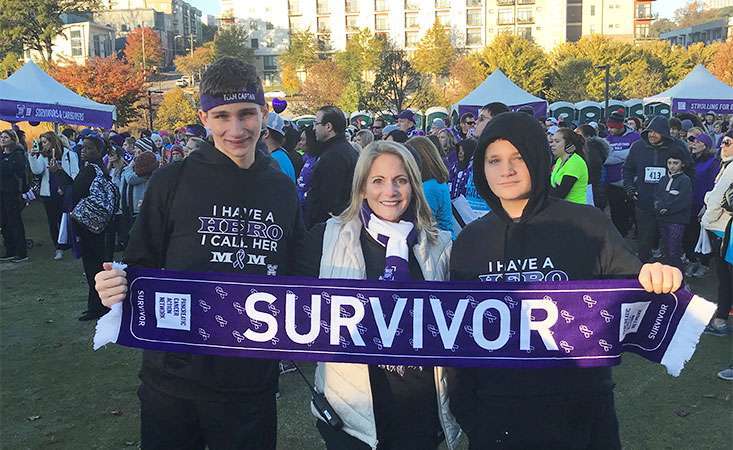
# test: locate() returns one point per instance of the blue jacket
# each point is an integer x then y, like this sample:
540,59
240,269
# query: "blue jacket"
283,160
438,197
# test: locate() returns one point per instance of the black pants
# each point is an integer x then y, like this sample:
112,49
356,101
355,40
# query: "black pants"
622,208
11,221
587,423
646,223
724,272
168,422
94,252
54,211
599,196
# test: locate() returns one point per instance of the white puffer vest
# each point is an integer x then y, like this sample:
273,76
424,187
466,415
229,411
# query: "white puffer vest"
346,386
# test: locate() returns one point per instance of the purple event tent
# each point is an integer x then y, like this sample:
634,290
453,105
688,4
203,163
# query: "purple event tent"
699,92
498,88
30,94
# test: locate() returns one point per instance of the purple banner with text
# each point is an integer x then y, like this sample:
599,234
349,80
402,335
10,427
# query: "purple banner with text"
520,325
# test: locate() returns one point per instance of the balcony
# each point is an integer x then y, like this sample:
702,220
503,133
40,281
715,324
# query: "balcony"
525,2
505,2
525,19
505,20
322,7
412,5
442,4
381,5
644,14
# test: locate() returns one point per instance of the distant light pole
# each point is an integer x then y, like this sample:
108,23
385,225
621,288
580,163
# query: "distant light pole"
607,68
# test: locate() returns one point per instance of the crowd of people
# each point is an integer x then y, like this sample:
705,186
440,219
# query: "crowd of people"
441,205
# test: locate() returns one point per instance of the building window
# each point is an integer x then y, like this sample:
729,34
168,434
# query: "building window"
296,23
473,37
506,16
270,62
412,5
324,24
352,23
525,16
351,6
322,7
476,3
644,11
525,2
381,5
473,20
76,43
254,43
97,46
381,22
294,6
411,39
525,32
443,18
642,31
592,10
442,4
411,21
504,2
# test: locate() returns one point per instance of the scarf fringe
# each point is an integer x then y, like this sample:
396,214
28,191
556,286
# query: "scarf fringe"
108,326
686,337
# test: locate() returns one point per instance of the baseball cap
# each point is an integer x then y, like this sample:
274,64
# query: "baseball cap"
275,122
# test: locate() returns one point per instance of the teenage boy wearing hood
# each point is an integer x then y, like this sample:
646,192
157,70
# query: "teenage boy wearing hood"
644,167
537,408
620,139
194,401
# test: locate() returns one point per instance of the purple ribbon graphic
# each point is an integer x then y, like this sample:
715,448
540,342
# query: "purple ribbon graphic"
520,325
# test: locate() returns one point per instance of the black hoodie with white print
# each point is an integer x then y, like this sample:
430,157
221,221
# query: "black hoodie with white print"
554,240
208,215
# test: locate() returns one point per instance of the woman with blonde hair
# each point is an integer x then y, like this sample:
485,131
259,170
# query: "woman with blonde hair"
386,233
435,181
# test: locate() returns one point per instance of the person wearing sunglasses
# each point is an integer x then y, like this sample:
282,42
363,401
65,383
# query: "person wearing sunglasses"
716,220
463,129
377,128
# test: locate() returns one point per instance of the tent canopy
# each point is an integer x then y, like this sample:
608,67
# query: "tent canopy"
700,91
498,88
33,95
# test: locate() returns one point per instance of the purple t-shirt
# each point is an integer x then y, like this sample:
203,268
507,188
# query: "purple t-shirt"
303,183
620,146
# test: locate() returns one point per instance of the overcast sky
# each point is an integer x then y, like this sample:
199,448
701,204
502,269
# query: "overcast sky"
665,8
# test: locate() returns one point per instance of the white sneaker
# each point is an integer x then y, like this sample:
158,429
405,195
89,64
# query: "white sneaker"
59,255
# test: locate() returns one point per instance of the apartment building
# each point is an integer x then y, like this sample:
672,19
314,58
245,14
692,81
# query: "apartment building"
80,40
472,23
718,30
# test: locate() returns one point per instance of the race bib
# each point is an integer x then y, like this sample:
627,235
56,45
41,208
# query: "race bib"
654,174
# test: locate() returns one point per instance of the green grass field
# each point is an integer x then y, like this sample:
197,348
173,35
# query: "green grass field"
57,393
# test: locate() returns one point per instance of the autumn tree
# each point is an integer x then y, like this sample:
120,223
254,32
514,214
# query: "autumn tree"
660,26
465,74
143,48
357,61
105,80
289,78
190,65
435,52
9,64
302,53
522,61
568,81
722,63
176,110
395,82
232,41
36,23
324,86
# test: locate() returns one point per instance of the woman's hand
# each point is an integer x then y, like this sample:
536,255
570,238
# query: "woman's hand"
111,285
659,278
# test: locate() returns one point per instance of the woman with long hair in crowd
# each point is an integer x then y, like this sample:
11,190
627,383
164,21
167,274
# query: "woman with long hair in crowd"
388,219
557,408
434,180
57,166
569,177
13,184
460,171
308,146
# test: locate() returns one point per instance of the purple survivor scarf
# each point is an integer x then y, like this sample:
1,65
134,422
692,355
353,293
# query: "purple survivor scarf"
396,261
212,101
517,325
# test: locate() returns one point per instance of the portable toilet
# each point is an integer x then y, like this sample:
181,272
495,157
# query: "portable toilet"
388,116
435,112
562,110
634,108
304,121
419,119
361,119
656,109
588,111
454,117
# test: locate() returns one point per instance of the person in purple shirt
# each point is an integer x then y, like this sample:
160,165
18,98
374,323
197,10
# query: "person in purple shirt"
406,122
620,137
706,169
307,146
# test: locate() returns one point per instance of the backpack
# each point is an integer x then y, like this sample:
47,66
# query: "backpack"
94,212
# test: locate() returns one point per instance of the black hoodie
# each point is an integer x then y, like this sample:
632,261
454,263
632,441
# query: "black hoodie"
554,240
215,217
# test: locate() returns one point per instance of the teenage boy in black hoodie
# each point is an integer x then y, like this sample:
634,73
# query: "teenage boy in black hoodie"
223,209
537,408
